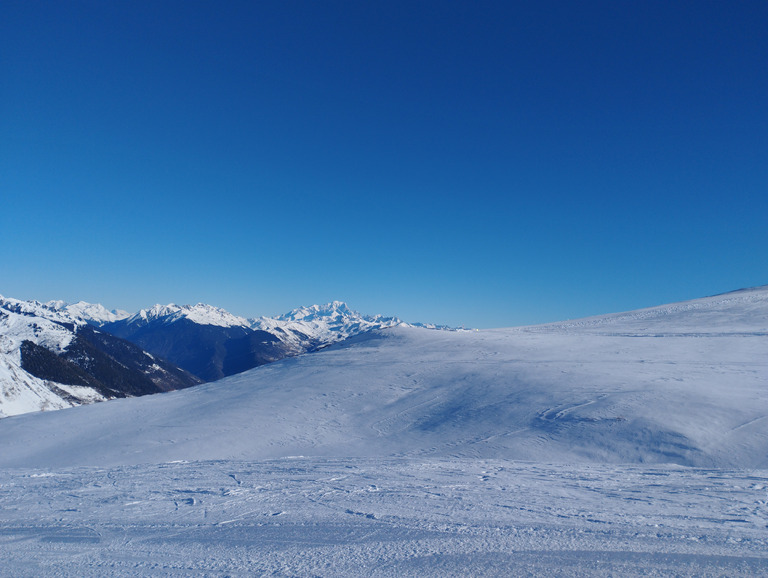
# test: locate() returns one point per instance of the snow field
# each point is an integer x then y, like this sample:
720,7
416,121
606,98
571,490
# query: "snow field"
623,445
383,517
554,395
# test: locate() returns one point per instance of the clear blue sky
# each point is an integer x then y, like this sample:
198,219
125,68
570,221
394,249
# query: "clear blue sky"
481,163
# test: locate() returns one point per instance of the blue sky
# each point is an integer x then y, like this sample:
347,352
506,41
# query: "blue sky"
480,163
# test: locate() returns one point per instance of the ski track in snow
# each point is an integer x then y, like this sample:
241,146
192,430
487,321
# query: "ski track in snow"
389,517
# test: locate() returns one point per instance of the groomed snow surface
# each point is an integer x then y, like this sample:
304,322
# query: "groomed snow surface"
629,444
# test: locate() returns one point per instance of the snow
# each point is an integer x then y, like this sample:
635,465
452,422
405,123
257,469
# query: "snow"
45,325
626,444
95,313
303,329
63,312
200,313
82,393
333,310
48,311
681,384
15,328
210,315
382,517
21,392
308,328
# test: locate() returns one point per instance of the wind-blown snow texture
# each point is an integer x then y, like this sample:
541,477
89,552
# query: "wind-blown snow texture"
427,454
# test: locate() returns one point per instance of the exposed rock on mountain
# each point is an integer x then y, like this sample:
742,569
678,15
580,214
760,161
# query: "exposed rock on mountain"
51,359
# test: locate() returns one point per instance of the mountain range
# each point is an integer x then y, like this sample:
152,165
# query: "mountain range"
211,343
51,358
55,355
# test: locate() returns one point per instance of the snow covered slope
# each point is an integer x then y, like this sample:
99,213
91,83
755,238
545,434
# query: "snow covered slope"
408,435
20,391
51,359
681,384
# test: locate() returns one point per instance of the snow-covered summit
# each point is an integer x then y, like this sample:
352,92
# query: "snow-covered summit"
334,310
60,311
51,311
32,321
201,314
307,328
94,313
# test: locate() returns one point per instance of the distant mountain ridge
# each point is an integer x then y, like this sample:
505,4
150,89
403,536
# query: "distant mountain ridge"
304,328
51,358
212,343
205,343
210,350
94,313
311,328
201,314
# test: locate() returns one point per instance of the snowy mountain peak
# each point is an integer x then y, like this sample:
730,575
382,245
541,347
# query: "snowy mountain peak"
155,312
210,315
315,326
62,312
333,310
94,313
43,310
201,313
